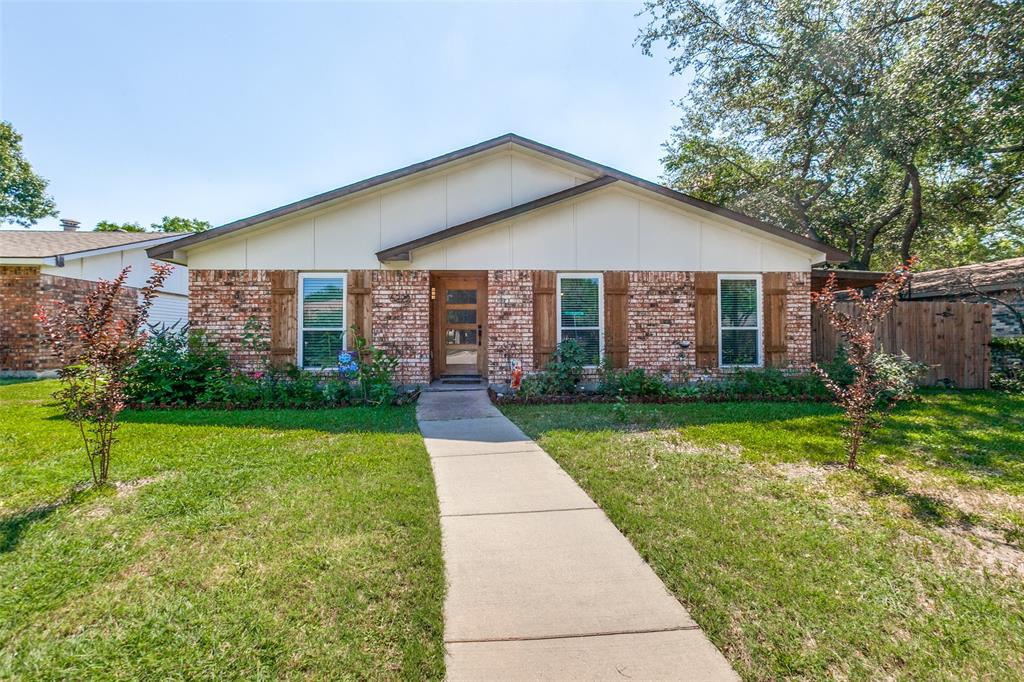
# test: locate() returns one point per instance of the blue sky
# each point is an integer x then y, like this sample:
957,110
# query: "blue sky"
221,110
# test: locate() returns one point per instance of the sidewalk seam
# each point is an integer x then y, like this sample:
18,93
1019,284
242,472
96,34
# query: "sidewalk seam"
610,633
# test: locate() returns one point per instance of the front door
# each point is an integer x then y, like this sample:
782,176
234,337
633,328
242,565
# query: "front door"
460,318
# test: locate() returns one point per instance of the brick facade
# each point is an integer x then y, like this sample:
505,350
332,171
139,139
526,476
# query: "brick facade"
401,320
660,313
23,289
509,322
798,320
221,302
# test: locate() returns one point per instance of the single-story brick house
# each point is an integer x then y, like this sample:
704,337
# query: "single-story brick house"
1000,283
496,252
41,267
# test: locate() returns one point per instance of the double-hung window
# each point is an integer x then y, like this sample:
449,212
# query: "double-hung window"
581,313
739,324
321,319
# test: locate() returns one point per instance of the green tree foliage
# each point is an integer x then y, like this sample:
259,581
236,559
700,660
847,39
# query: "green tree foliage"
880,126
168,224
23,198
109,226
176,224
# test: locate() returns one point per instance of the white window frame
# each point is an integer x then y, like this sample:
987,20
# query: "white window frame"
303,276
600,308
760,319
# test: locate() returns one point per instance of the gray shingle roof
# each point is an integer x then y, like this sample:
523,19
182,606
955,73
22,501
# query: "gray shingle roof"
1007,273
47,243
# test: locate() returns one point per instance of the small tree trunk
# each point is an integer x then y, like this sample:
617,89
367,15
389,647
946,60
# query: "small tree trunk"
916,210
856,433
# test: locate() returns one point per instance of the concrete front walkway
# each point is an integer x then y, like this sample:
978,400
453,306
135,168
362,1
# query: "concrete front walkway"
541,585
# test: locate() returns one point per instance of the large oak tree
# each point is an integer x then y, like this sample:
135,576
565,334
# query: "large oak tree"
884,127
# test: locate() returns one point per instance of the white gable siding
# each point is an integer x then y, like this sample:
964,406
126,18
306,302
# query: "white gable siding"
619,227
108,265
614,229
349,234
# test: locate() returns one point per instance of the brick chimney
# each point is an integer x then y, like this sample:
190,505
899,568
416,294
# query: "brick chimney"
69,225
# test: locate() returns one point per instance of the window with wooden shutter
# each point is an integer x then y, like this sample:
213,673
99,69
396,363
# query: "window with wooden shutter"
739,331
616,321
774,284
581,313
706,310
321,319
545,323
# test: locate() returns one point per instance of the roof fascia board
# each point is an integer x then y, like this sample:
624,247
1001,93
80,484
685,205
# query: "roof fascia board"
141,244
28,260
376,182
402,252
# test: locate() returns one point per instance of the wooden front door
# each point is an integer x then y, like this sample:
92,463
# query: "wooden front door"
460,323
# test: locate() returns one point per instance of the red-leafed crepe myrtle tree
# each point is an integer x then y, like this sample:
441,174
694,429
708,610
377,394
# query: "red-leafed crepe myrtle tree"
97,342
880,380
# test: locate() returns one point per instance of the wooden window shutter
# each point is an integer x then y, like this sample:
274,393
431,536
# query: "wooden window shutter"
706,303
360,306
545,324
283,316
616,321
774,291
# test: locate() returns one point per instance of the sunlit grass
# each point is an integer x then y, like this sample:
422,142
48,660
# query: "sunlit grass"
239,545
910,567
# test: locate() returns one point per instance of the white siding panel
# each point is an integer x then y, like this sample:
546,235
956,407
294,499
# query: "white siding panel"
348,238
546,240
532,179
108,265
169,310
606,231
413,210
486,249
288,247
223,255
478,190
726,250
667,239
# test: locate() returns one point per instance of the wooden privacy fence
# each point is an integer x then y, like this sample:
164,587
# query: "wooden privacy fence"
951,338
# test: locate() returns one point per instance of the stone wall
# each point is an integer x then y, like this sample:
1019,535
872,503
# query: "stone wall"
24,348
401,320
509,322
222,302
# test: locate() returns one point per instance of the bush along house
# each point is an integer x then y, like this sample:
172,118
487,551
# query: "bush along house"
465,264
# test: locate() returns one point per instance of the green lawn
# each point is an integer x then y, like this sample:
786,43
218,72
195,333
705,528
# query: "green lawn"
238,545
909,568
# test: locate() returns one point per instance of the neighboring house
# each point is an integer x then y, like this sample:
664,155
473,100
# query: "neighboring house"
463,263
38,268
1000,283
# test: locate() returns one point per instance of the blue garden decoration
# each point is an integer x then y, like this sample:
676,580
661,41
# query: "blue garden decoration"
347,364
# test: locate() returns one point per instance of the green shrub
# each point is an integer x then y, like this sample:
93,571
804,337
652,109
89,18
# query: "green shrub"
174,367
181,369
561,376
631,383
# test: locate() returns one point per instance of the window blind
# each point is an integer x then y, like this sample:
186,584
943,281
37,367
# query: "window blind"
580,314
739,321
322,320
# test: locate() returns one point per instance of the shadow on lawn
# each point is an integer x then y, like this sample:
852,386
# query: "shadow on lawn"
927,509
14,526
